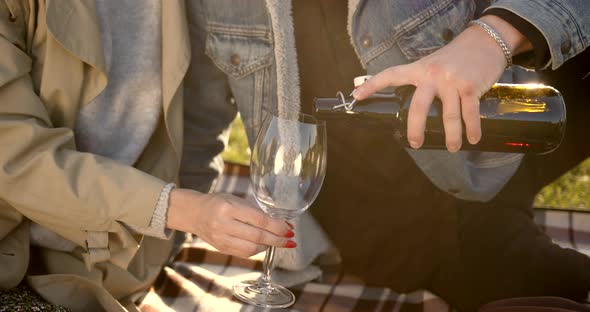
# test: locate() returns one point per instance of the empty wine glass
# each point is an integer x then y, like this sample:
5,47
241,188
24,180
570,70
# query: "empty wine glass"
287,169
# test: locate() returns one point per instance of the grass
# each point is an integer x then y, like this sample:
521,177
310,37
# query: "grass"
571,191
237,150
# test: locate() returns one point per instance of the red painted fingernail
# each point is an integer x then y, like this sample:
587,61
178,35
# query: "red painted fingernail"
290,244
289,234
290,225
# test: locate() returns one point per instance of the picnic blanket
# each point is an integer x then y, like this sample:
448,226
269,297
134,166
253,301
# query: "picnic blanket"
200,278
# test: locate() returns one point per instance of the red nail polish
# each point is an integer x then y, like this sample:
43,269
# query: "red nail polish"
290,225
290,244
289,234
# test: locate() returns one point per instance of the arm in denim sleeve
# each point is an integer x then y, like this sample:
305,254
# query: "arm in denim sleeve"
540,54
564,24
208,111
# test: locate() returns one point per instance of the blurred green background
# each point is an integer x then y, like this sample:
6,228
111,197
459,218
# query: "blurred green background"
571,191
237,151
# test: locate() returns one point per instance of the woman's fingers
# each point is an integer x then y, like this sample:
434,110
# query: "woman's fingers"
238,247
255,217
419,107
258,235
452,118
228,223
241,246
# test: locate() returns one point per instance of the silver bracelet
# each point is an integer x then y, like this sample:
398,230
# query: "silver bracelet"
494,34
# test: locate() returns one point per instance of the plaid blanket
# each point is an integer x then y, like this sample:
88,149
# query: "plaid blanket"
200,278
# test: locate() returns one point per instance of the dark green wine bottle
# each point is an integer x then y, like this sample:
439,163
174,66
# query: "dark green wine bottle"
516,118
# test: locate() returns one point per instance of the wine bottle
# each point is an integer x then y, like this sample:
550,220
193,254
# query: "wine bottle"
515,118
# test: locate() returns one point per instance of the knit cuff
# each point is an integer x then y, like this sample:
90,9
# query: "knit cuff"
157,227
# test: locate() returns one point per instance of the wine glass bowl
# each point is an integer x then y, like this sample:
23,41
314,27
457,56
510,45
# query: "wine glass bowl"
287,169
288,164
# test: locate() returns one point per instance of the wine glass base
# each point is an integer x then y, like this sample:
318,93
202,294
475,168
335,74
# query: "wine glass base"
275,296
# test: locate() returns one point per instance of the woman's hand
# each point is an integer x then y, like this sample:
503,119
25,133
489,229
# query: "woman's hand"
459,74
230,224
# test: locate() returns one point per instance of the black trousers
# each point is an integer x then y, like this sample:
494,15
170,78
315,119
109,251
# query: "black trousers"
395,229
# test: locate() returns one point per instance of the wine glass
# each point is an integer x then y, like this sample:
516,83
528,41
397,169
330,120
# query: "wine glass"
287,169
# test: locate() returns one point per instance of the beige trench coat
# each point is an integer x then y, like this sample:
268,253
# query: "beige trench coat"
51,64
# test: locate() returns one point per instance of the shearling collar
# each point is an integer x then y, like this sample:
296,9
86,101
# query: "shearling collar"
281,15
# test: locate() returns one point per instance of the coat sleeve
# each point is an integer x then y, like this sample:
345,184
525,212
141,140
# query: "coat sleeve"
565,24
42,175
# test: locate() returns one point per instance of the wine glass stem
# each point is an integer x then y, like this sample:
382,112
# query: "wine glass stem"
265,278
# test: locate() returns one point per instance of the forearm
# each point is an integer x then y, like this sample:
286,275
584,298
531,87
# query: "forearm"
48,181
540,55
517,43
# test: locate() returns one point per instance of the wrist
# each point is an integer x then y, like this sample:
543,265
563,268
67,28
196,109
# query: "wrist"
517,43
181,203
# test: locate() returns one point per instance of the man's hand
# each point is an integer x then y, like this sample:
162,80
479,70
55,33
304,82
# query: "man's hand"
230,224
459,74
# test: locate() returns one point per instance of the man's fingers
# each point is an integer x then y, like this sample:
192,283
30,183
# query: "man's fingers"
419,107
257,218
471,116
452,118
257,235
393,76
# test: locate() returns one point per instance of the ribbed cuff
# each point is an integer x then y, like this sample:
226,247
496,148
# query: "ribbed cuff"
157,227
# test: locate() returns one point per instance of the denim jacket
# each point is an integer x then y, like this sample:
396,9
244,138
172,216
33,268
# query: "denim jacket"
243,59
